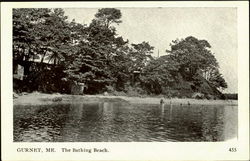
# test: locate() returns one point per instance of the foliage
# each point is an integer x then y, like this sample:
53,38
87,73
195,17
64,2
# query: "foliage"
159,73
216,79
140,55
56,53
195,58
95,59
192,54
107,16
232,96
24,38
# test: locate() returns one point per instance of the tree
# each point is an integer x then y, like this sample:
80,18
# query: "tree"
88,66
97,56
194,56
120,67
25,22
107,16
37,32
216,79
41,34
140,54
159,73
54,36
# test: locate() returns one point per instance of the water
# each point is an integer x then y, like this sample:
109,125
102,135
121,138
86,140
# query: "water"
114,122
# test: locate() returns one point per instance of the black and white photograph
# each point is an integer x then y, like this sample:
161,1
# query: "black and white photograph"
124,74
116,74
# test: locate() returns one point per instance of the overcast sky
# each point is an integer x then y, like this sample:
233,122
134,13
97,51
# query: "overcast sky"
159,26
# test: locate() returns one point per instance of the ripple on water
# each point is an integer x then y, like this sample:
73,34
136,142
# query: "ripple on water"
112,122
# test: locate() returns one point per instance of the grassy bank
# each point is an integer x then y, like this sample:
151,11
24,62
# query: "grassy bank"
41,98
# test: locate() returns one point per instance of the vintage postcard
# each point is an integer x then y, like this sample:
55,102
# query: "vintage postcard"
125,80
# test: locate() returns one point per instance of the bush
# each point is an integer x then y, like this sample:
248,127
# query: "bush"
198,95
111,91
129,91
135,91
233,96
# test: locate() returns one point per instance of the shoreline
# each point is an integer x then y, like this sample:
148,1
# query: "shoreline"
43,99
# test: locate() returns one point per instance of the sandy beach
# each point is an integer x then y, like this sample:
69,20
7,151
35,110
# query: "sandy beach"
41,98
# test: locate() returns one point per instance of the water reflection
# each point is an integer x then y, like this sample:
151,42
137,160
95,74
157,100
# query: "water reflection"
96,122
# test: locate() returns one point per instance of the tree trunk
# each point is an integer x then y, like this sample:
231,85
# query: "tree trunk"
43,56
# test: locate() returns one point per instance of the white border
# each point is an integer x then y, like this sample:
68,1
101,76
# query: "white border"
127,151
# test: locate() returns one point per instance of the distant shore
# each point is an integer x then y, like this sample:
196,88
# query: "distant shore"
41,98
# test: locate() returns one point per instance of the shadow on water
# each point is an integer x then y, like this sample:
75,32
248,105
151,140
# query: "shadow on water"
114,122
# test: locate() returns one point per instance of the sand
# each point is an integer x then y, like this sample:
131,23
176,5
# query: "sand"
41,98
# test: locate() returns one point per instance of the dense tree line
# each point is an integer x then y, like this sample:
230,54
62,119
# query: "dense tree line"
57,53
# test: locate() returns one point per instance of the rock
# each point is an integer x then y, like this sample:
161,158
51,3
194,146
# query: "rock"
161,101
15,95
198,95
105,94
24,93
210,97
57,99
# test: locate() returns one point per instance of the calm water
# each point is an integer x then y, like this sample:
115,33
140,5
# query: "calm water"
112,122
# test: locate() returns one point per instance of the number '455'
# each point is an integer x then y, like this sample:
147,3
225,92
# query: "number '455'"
232,149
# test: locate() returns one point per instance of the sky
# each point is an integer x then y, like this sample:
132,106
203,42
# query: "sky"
159,26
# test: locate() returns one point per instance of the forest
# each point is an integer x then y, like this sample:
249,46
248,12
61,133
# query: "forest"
58,55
